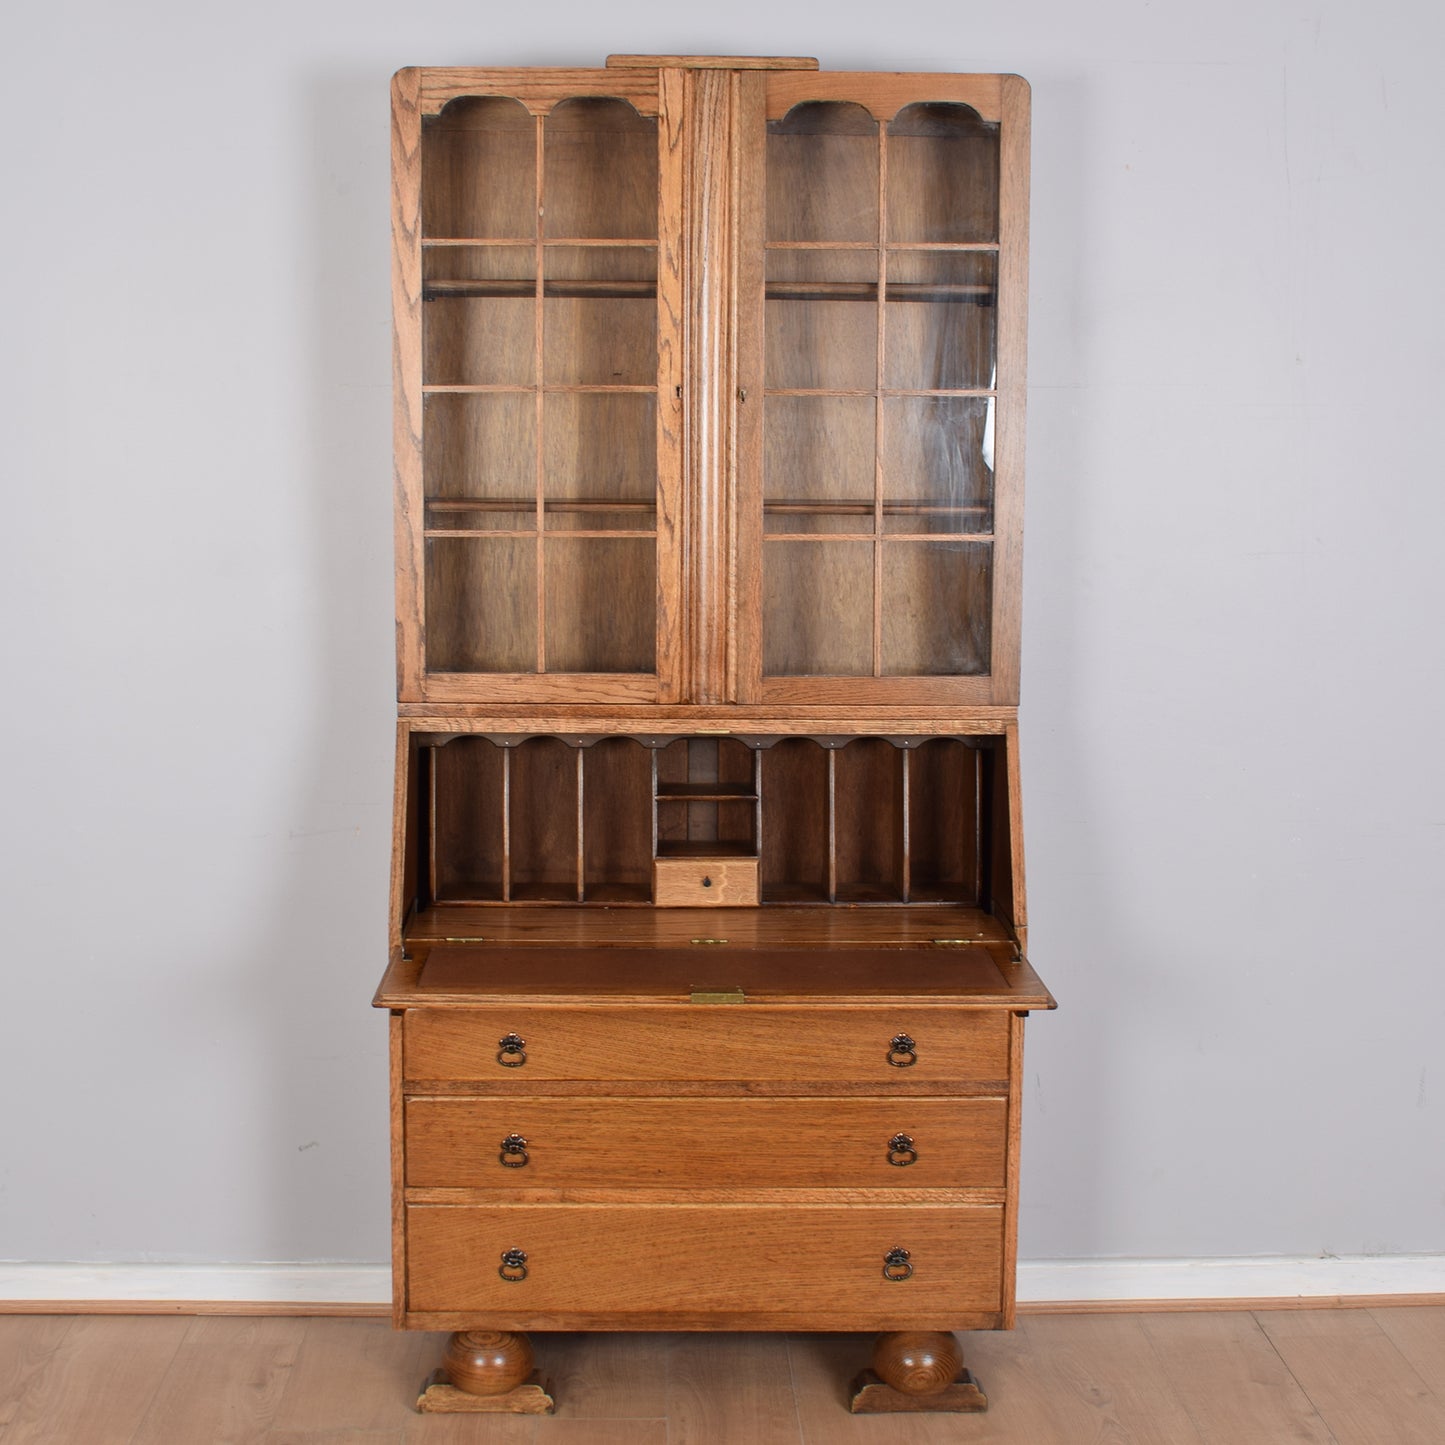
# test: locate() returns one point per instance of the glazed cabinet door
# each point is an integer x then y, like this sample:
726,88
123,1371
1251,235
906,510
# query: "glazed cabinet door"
880,421
537,286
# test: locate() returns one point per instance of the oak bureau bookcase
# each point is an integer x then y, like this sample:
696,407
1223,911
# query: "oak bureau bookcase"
708,945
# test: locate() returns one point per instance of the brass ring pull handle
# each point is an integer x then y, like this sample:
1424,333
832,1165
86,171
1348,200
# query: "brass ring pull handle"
902,1052
511,1051
896,1266
514,1152
900,1150
513,1267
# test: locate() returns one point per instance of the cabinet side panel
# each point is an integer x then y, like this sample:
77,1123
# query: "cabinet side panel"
1011,1169
398,1179
1013,283
406,375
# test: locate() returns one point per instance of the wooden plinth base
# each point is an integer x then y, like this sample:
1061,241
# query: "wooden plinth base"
440,1397
870,1396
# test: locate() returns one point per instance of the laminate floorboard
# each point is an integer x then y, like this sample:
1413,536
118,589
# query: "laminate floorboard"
1307,1377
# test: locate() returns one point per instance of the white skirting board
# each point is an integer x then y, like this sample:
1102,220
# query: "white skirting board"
1059,1281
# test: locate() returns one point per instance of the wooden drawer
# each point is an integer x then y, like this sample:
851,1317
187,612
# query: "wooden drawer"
705,1143
708,1042
705,882
824,1262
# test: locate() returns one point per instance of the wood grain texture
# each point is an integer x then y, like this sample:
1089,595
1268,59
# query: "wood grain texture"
352,1375
673,1143
90,1379
884,94
812,1042
1366,1390
730,1388
1012,388
705,882
709,469
673,392
397,1120
406,360
538,89
1235,1387
224,1383
713,62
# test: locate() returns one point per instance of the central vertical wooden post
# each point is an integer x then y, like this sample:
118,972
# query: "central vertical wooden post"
710,545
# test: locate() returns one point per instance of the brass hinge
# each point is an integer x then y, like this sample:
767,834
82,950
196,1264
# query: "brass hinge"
717,995
709,940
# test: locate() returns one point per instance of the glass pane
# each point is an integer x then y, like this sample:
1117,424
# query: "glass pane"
942,175
601,604
941,315
936,605
480,460
481,604
938,464
818,608
479,170
818,468
600,316
821,320
822,170
601,461
600,170
479,315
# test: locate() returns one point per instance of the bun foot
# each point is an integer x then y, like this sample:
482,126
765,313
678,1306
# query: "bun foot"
917,1371
486,1372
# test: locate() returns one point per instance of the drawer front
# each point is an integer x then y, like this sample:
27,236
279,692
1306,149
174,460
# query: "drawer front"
685,1259
719,1042
705,882
903,1143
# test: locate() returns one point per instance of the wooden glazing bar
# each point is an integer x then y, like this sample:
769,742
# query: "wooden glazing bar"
552,504
555,387
558,290
611,243
980,537
886,391
843,506
860,245
581,533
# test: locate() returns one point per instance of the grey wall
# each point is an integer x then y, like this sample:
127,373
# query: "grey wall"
1233,677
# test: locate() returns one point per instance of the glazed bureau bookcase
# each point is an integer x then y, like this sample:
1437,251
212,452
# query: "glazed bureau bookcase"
708,961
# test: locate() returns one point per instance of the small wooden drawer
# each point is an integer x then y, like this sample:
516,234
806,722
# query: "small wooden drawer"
724,1042
512,1142
705,882
821,1262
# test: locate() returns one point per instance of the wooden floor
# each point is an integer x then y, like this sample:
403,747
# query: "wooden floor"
1349,1376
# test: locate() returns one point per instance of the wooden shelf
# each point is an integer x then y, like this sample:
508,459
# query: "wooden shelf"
551,290
706,793
983,295
849,507
526,504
